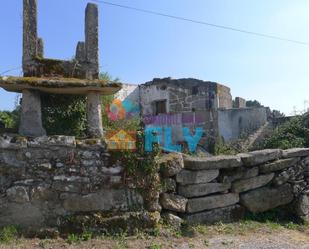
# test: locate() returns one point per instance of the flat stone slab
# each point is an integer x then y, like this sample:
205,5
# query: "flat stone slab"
202,189
226,214
266,198
260,157
186,177
251,183
210,202
295,152
216,162
278,165
173,202
59,85
232,175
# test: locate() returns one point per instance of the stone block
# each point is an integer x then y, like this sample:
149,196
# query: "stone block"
231,175
227,214
172,220
173,202
196,190
251,183
216,162
18,194
278,165
49,142
168,185
295,152
186,177
170,164
266,198
211,202
301,205
260,156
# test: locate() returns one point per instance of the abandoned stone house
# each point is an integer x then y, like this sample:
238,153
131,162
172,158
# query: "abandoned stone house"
194,103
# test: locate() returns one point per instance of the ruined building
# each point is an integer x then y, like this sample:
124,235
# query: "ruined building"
195,103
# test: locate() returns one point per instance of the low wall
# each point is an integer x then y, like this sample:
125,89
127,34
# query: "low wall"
59,182
44,181
223,188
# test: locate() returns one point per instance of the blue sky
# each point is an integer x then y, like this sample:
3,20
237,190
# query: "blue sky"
137,47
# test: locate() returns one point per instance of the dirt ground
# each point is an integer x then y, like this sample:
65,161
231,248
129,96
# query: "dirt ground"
232,236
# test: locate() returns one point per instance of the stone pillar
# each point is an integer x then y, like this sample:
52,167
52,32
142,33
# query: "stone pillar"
94,114
94,108
92,40
31,117
30,36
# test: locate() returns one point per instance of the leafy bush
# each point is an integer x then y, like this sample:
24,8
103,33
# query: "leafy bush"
8,234
10,119
293,133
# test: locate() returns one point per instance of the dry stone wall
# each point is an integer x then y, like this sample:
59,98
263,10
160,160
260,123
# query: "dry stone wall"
62,183
224,188
45,180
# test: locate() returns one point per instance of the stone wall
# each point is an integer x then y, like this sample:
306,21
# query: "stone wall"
240,122
223,188
47,179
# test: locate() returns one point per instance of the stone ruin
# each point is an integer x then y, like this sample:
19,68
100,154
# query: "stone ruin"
59,183
41,75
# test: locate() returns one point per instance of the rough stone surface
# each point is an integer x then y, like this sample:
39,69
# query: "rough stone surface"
94,114
18,194
186,177
31,117
266,198
217,162
171,164
226,214
231,175
172,220
105,200
211,202
169,185
202,189
278,165
301,206
261,156
251,183
173,202
295,152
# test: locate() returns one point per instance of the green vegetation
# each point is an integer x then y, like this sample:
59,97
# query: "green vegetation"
8,234
293,133
10,119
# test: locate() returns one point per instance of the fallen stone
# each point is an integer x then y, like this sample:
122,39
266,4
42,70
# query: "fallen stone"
211,202
186,177
260,157
18,194
172,220
267,198
203,189
170,164
232,175
216,162
226,215
172,202
251,183
295,152
278,165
